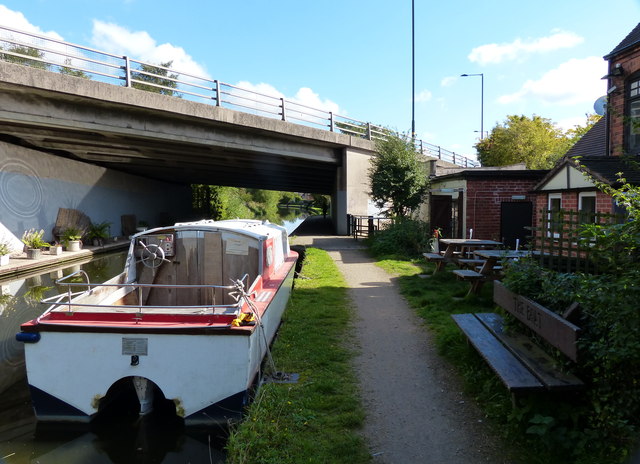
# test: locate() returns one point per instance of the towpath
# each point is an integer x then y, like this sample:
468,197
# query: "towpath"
415,409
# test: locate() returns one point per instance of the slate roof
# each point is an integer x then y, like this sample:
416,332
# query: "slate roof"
606,168
593,143
629,41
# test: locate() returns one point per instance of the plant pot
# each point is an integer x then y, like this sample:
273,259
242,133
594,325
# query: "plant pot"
73,245
4,260
55,250
34,253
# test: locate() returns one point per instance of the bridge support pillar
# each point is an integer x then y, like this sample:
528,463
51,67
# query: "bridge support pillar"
352,187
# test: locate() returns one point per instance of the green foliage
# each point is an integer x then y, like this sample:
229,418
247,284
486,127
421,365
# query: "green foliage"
318,418
156,79
70,234
67,70
5,247
33,238
398,178
535,141
26,52
98,231
404,237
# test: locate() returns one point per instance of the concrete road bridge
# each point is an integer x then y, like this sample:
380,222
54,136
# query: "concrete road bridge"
86,126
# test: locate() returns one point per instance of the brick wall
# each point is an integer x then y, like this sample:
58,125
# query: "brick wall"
484,200
630,62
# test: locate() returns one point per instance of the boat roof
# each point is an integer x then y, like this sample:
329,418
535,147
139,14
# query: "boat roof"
249,227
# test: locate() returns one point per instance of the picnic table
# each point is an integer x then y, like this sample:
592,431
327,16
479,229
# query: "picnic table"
455,248
489,269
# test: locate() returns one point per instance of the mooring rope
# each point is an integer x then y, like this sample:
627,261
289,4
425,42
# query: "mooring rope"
241,293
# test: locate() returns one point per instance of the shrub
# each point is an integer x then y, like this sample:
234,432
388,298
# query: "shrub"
406,237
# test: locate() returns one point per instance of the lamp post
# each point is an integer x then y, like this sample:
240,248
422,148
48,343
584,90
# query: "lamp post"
481,101
413,71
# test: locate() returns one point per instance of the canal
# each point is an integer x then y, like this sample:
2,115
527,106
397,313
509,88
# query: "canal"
121,439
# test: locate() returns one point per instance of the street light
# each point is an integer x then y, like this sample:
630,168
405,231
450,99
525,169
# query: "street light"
481,101
413,71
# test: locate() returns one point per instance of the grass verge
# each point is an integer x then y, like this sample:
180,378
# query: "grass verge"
317,419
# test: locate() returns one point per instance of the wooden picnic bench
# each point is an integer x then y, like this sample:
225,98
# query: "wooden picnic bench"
522,365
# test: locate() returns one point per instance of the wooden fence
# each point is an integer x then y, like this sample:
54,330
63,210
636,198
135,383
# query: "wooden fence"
560,243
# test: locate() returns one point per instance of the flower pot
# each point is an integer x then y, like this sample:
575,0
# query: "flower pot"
4,260
73,245
34,253
55,250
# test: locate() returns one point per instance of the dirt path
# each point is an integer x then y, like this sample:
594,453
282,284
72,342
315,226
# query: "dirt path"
416,412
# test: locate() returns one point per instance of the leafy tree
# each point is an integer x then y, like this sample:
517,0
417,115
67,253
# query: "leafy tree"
577,132
26,51
398,179
156,79
535,141
67,70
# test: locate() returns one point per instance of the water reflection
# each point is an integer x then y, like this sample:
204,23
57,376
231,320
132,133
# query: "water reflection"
126,439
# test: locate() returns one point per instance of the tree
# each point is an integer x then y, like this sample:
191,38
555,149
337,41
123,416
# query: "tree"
26,52
535,141
398,179
577,132
156,79
67,70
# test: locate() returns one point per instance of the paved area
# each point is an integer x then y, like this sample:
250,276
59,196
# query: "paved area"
416,412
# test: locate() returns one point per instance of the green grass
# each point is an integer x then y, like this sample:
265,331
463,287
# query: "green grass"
317,419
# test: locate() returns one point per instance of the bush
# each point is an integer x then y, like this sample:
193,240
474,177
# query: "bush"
406,237
609,409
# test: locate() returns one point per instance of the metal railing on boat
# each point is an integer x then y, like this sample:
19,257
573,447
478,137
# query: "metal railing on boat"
67,298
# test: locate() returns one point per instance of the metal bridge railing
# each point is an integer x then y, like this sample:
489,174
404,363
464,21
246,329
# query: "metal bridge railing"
54,55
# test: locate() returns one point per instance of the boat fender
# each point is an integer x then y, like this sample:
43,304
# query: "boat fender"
28,337
244,319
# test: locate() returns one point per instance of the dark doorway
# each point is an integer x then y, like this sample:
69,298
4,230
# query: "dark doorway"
441,214
515,218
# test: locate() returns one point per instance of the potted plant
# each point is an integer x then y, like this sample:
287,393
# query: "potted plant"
98,233
55,249
5,249
142,226
71,237
34,242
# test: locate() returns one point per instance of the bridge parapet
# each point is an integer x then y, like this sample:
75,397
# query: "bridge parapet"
66,58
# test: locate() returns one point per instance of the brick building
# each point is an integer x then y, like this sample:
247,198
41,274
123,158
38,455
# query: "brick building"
611,146
494,203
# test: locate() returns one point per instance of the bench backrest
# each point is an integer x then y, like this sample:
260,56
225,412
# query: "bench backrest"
556,330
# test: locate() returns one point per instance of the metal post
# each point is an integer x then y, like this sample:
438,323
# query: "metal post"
127,71
332,127
481,101
413,71
284,118
218,93
368,131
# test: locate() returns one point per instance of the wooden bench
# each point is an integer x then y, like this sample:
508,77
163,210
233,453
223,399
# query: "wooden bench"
522,365
436,258
470,263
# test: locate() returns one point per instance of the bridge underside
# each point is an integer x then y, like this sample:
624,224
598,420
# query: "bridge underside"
178,162
163,138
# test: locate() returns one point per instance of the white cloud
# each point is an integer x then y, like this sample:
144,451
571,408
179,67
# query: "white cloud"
423,96
518,49
575,81
448,81
304,96
16,20
140,45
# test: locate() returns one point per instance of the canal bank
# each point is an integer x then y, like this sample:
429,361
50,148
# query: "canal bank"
415,408
20,266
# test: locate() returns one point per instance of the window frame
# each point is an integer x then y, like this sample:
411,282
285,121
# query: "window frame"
587,217
631,132
551,230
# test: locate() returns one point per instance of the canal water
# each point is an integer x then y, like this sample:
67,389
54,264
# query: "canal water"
155,439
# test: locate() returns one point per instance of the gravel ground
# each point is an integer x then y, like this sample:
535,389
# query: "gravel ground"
416,411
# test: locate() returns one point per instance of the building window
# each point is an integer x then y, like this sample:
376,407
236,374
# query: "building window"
587,207
555,217
633,124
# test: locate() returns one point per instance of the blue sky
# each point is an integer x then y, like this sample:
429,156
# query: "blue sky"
354,58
